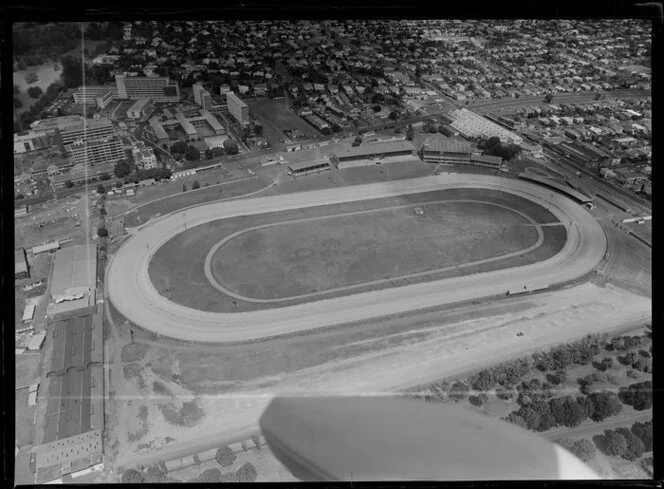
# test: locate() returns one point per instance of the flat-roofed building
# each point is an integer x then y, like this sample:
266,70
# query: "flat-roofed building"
237,108
99,95
141,108
86,129
159,89
82,174
188,127
144,156
95,151
213,122
33,140
439,149
159,132
215,141
21,269
201,96
46,248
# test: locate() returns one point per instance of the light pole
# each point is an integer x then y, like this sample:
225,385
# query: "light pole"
237,306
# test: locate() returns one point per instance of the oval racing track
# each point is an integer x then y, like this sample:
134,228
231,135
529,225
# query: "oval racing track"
133,294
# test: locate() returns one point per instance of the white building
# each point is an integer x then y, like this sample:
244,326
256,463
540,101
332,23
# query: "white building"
237,108
141,108
471,124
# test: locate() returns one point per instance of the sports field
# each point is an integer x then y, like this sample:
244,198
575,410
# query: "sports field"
351,247
276,118
296,258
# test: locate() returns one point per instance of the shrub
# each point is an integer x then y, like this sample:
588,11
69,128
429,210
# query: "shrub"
632,374
605,404
154,474
607,363
635,447
102,232
583,449
642,364
101,189
246,473
257,441
35,92
458,391
530,417
225,456
504,393
517,420
611,443
210,475
184,187
638,395
483,381
643,431
195,185
132,476
104,176
475,401
560,377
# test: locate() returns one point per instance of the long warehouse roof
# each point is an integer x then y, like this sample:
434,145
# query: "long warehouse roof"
75,267
375,149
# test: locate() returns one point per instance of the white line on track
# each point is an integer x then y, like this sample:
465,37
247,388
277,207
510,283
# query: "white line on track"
134,295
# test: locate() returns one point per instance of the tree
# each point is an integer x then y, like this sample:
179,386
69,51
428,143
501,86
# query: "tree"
154,473
644,432
611,443
410,132
69,184
72,72
256,440
635,447
638,395
548,98
195,185
31,78
102,211
376,108
458,391
102,232
122,169
231,147
210,475
517,420
629,358
246,473
475,401
225,456
101,189
606,363
217,152
557,378
132,476
178,147
192,154
184,187
504,393
104,176
17,103
394,115
357,141
483,381
642,364
605,404
208,154
20,197
35,92
530,417
583,448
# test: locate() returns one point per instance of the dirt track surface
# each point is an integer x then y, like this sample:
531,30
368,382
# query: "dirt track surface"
132,292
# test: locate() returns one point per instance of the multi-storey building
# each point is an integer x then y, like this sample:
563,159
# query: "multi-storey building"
94,151
144,156
99,95
237,108
142,108
86,129
159,89
201,96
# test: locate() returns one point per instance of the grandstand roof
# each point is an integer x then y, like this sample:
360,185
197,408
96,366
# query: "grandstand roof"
75,268
303,165
560,186
376,149
487,159
442,144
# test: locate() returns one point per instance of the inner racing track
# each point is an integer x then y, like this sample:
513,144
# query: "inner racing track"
134,295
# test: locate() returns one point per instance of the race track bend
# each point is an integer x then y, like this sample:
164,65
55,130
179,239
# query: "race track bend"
132,209
135,297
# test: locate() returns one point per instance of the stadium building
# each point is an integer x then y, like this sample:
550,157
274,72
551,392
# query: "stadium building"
159,89
237,108
374,154
306,167
442,150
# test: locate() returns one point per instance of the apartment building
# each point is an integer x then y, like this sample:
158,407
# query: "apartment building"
141,108
237,108
99,95
158,88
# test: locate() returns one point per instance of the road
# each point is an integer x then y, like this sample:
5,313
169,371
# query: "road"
589,428
132,292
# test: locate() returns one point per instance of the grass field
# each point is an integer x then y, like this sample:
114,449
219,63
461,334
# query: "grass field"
276,118
178,273
47,74
285,260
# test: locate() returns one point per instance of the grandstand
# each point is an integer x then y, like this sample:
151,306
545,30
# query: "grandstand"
559,186
306,167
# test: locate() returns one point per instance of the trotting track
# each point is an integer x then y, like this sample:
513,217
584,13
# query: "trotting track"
133,294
